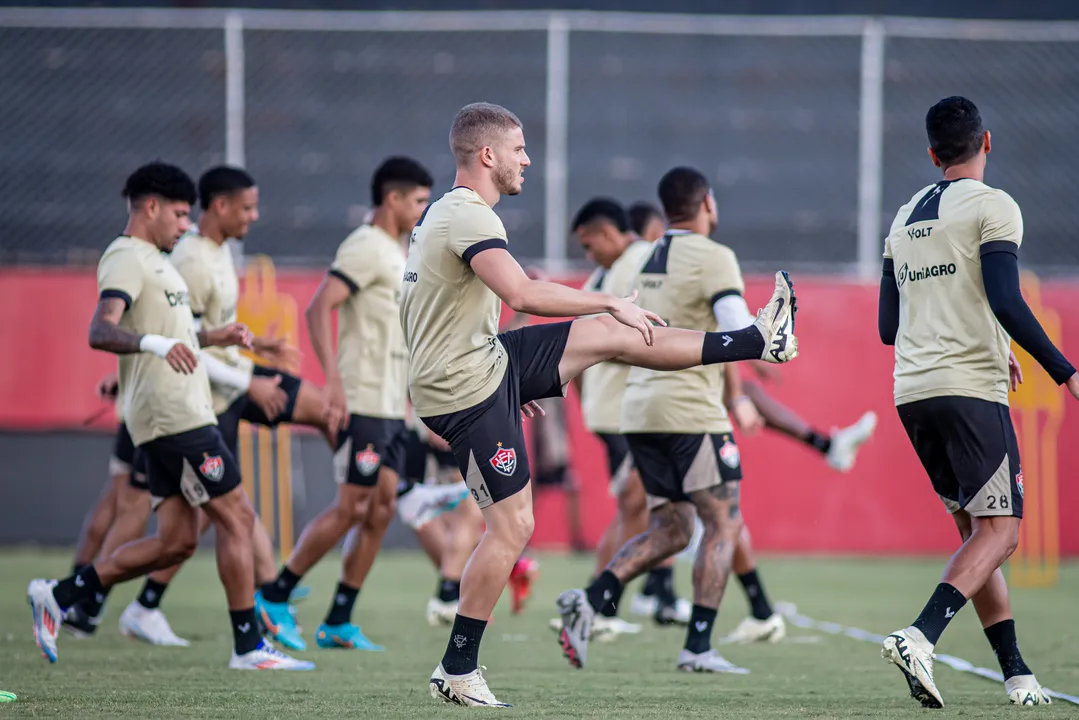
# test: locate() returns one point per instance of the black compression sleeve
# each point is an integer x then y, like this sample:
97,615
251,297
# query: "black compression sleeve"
1000,274
888,304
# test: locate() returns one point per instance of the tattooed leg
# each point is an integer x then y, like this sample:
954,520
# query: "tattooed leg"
720,512
670,529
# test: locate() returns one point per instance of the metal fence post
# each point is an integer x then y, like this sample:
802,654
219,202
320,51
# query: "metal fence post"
556,160
234,89
870,150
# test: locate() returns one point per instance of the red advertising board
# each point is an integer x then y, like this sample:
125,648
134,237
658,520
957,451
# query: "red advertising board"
793,501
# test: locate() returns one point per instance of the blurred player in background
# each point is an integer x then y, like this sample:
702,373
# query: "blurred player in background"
143,312
949,300
677,426
471,384
605,234
647,221
366,398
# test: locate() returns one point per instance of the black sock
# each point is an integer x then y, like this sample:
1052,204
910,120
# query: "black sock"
77,566
280,589
1002,638
245,631
699,632
662,581
341,609
721,347
611,608
939,611
150,597
463,650
758,601
95,603
650,585
83,585
822,443
602,589
449,590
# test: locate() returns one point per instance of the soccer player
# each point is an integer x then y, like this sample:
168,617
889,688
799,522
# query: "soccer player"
647,221
143,315
608,239
471,385
678,429
366,402
949,300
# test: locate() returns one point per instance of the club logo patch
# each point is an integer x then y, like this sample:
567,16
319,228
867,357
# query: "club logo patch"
368,461
729,454
212,468
1019,483
504,460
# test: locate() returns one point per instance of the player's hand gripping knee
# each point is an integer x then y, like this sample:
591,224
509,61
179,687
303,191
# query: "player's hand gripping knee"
266,392
626,312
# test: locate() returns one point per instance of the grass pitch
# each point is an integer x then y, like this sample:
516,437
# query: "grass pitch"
813,676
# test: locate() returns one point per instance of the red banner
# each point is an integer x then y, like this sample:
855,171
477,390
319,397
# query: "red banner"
793,500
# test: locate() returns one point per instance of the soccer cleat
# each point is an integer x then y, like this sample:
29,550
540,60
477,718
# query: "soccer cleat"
524,572
423,503
643,605
441,613
911,652
468,690
674,614
347,636
604,629
752,630
775,321
299,594
710,661
847,441
79,624
47,616
278,622
149,626
1025,690
577,617
267,657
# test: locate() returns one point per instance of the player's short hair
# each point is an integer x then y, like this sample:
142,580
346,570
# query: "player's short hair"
681,191
222,180
398,173
160,179
640,213
955,131
476,126
605,209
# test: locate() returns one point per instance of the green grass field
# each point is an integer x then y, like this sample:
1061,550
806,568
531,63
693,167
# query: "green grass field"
816,675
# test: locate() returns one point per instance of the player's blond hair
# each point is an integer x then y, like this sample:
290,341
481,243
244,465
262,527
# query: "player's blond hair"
478,126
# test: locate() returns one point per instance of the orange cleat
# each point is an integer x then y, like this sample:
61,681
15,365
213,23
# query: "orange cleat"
525,571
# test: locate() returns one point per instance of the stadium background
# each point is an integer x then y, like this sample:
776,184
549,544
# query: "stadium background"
810,126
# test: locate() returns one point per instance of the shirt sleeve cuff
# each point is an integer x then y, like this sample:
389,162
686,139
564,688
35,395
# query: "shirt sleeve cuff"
352,286
476,248
112,293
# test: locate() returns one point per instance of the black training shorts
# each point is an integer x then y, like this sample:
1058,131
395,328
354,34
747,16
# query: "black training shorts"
969,449
487,438
367,445
243,409
673,465
128,459
195,464
619,460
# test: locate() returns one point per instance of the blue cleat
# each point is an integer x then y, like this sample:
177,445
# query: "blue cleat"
347,636
278,623
299,594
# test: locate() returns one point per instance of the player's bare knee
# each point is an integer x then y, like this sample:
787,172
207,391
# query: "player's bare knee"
380,515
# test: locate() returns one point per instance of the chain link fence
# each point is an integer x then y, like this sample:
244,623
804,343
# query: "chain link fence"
771,110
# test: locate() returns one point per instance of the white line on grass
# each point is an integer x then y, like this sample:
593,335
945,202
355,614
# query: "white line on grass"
790,612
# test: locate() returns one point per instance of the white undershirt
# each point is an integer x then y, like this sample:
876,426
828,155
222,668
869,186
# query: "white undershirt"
732,313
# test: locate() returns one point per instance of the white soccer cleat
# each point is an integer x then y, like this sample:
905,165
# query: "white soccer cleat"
913,654
577,616
847,441
441,613
752,630
775,321
423,503
710,661
267,657
149,626
604,629
677,614
642,605
48,617
468,690
1025,690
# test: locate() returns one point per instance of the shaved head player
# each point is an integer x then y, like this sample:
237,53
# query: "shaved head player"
468,383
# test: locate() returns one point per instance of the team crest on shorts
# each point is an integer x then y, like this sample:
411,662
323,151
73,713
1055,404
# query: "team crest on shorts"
1019,482
729,454
212,468
367,461
504,460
